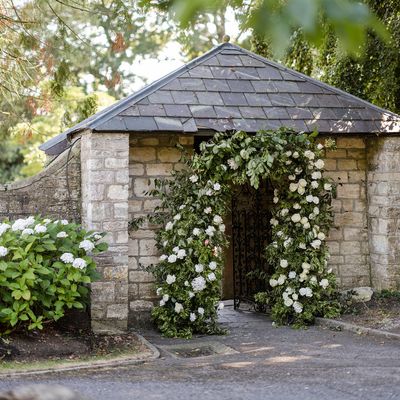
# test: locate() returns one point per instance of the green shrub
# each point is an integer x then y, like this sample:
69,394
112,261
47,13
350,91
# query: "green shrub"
45,266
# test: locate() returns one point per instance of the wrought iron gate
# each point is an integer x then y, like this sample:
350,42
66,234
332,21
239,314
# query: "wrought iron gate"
250,234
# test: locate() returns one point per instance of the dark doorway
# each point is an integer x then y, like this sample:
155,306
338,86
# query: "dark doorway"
250,232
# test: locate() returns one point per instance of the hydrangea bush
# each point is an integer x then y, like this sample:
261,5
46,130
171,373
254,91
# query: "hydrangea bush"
193,237
45,266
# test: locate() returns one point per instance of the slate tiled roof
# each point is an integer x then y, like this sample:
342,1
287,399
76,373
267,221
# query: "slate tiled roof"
230,88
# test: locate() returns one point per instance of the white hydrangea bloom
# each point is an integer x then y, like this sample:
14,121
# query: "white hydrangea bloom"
61,234
159,291
169,226
306,266
296,218
319,164
288,153
313,279
193,178
40,228
298,307
293,187
302,183
291,177
178,307
172,258
181,253
273,282
217,220
309,198
295,154
207,210
288,302
302,246
292,274
320,146
64,222
210,231
316,175
284,212
233,164
301,190
86,245
298,171
321,236
177,217
309,154
200,311
281,279
211,277
324,283
305,291
314,184
170,279
316,210
297,206
67,258
274,221
304,220
196,231
295,296
27,231
306,225
212,265
275,200
191,294
287,242
162,303
4,227
284,263
316,244
192,317
163,257
222,228
165,297
79,263
175,249
198,284
316,200
3,251
216,186
199,268
327,186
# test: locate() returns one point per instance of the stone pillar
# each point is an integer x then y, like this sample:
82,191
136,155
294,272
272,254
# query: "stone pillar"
384,211
105,183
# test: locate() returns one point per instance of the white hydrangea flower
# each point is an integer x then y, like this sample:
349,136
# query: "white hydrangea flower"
301,190
64,222
295,154
207,210
216,186
159,291
316,210
61,234
316,200
281,279
296,218
288,162
222,228
297,206
324,283
291,177
287,242
316,175
319,164
97,236
40,228
284,212
313,279
170,279
86,245
172,258
4,227
196,231
199,268
186,283
233,164
292,274
21,223
279,233
305,291
169,226
193,178
320,146
314,184
295,296
46,221
298,307
182,207
304,220
191,294
302,246
212,265
210,231
177,217
79,263
3,251
284,263
327,186
211,277
306,266
302,183
298,171
67,258
165,297
178,307
181,254
175,249
309,154
293,187
162,303
288,302
309,198
200,311
163,257
321,236
27,231
192,317
198,284
275,200
316,244
288,153
217,220
274,222
273,282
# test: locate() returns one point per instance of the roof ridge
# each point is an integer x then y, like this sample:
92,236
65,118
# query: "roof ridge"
313,80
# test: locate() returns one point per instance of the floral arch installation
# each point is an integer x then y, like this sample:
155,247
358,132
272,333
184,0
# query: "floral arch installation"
192,239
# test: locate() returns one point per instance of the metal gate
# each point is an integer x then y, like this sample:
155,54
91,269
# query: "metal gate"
250,234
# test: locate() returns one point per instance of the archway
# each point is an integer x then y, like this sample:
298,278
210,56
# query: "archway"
193,236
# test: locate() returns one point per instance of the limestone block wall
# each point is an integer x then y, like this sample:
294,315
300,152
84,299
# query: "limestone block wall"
54,192
384,211
150,157
105,178
348,239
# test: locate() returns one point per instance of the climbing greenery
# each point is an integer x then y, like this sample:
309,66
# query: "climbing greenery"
192,240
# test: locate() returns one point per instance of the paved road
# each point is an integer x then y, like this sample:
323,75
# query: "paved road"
269,363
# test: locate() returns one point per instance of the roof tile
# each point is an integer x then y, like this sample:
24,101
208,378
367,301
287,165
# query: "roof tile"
303,100
151,110
258,99
281,99
252,112
169,124
216,85
323,113
177,110
192,84
210,98
227,112
161,96
276,112
299,113
287,87
264,86
269,72
229,60
140,123
223,73
234,99
203,111
240,86
248,61
246,73
184,97
201,71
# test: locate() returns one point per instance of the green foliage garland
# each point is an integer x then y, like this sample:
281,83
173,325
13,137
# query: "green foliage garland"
193,235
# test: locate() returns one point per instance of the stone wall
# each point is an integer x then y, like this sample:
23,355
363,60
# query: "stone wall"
54,192
348,239
150,157
384,211
105,178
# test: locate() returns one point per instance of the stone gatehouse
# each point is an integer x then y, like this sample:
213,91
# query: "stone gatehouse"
103,166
